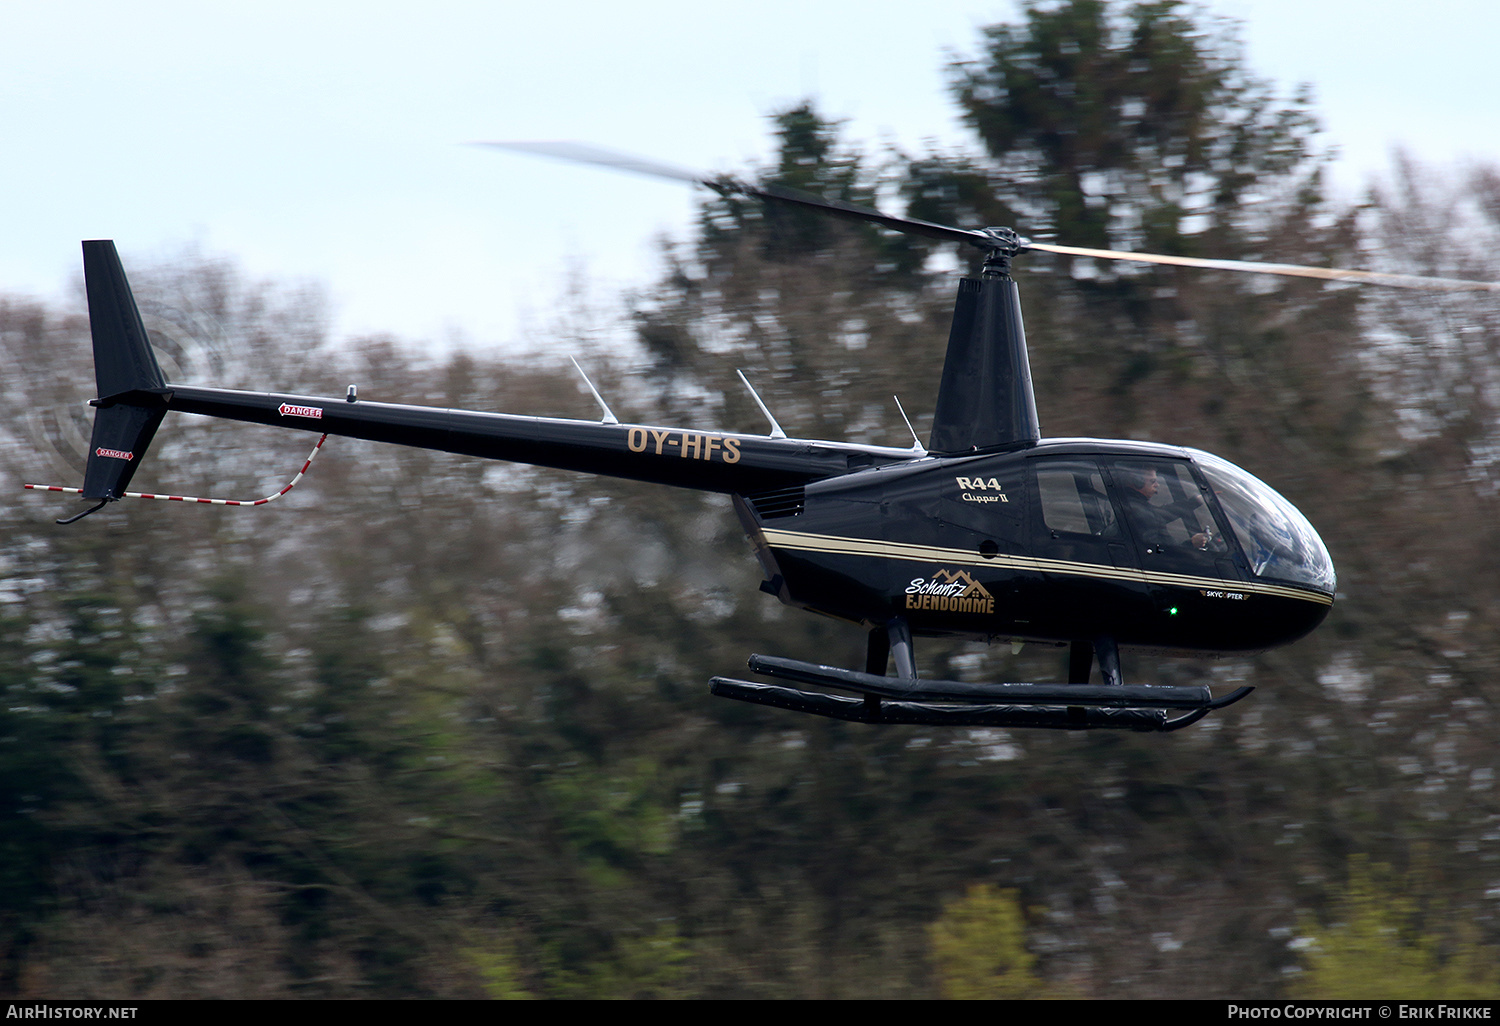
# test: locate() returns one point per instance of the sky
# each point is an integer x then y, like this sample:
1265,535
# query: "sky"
325,141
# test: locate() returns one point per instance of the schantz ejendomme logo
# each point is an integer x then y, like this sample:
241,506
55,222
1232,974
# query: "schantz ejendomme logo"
949,591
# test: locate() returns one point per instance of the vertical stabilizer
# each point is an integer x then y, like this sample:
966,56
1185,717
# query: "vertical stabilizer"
123,360
132,392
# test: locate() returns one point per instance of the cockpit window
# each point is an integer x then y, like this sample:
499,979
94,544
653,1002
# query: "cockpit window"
1277,539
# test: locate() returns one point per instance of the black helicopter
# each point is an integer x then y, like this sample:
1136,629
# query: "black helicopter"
989,532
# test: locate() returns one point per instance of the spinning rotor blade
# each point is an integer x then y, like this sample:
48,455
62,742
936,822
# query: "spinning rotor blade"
579,153
1002,240
724,185
855,212
1400,281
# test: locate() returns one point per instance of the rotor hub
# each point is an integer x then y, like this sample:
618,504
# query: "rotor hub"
1000,245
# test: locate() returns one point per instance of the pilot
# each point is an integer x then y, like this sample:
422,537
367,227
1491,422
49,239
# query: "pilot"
1150,520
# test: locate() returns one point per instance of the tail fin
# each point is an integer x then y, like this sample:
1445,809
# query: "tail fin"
132,392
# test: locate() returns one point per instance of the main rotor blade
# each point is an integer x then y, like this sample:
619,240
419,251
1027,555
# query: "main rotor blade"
1400,281
855,212
725,185
581,153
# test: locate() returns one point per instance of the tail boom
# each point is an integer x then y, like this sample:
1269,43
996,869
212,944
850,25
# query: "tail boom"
702,460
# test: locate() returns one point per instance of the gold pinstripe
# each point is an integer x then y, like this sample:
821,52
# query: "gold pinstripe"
799,541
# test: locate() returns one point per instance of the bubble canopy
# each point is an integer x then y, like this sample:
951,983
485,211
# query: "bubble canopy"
1276,538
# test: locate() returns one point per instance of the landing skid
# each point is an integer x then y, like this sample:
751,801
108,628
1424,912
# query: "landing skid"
906,699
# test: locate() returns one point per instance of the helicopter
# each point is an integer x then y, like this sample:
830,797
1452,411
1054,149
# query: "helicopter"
989,532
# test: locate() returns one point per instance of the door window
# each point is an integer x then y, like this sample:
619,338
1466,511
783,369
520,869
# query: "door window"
1167,513
1075,501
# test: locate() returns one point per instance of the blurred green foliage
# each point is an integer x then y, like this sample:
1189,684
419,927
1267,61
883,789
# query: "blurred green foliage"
1388,940
979,948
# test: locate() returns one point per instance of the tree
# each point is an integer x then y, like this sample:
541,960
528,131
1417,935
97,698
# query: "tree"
1127,127
1387,941
817,311
979,948
1140,127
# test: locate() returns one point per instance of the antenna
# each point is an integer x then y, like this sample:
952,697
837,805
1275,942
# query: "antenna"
776,431
609,416
916,443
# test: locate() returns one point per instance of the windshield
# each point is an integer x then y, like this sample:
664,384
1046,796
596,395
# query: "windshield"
1277,539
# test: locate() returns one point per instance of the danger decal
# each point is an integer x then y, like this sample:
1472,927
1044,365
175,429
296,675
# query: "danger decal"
288,410
114,454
